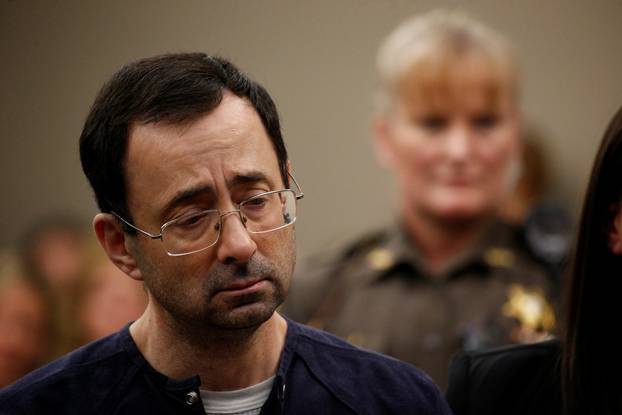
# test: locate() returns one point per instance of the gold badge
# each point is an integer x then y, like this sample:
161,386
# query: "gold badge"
534,314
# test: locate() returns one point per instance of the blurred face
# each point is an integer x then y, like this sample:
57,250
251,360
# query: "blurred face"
111,301
22,331
222,159
452,146
58,256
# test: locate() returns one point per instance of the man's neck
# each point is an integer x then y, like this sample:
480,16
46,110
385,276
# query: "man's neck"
223,361
440,241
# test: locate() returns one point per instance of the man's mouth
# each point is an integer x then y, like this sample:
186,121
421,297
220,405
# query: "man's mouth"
244,287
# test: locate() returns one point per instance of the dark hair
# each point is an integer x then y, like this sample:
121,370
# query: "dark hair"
592,360
172,88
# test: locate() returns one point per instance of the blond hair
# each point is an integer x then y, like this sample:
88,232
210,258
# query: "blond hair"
434,45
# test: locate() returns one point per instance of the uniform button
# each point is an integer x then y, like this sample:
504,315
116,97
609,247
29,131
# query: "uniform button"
192,398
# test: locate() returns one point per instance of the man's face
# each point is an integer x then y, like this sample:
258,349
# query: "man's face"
223,158
454,151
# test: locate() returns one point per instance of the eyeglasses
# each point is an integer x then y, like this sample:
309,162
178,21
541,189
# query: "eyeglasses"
198,231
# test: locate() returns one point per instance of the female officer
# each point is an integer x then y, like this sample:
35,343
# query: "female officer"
579,374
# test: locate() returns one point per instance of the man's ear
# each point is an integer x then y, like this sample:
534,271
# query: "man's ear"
383,149
614,235
112,238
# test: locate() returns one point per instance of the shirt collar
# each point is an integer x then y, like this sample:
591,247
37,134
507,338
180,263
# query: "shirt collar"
181,387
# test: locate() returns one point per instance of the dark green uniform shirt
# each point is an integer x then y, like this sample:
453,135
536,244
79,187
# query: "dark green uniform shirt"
376,294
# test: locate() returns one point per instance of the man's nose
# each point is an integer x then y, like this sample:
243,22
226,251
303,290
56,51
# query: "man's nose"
235,244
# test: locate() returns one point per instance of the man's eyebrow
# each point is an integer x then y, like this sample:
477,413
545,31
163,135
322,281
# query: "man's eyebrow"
187,194
247,178
207,190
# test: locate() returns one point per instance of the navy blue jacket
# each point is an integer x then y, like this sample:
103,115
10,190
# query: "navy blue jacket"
318,374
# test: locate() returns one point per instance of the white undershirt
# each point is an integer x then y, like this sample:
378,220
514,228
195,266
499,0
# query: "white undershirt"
247,401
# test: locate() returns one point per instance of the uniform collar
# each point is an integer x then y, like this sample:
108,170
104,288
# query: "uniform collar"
397,250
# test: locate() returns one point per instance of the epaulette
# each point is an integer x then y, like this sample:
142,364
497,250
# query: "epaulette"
365,243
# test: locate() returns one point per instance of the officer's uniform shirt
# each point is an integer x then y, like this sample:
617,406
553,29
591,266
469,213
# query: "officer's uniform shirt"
377,295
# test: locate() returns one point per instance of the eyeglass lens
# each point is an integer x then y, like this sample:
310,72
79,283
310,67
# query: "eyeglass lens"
263,213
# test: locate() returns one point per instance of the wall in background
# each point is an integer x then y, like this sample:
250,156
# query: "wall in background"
317,60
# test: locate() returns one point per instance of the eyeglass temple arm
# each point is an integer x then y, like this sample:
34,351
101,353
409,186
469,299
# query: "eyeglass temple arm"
151,235
300,194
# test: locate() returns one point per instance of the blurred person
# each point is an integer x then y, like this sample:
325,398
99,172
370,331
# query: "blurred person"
449,275
55,249
24,321
189,168
579,374
108,300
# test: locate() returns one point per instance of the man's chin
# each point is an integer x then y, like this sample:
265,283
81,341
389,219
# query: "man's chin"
245,317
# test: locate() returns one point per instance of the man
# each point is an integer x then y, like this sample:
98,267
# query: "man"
449,275
186,159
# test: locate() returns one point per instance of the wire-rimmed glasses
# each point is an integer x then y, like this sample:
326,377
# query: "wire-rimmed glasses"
198,231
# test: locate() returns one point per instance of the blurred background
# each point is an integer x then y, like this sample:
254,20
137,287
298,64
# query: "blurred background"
317,60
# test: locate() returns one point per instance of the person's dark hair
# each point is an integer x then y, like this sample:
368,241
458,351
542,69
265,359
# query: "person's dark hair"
592,360
172,88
